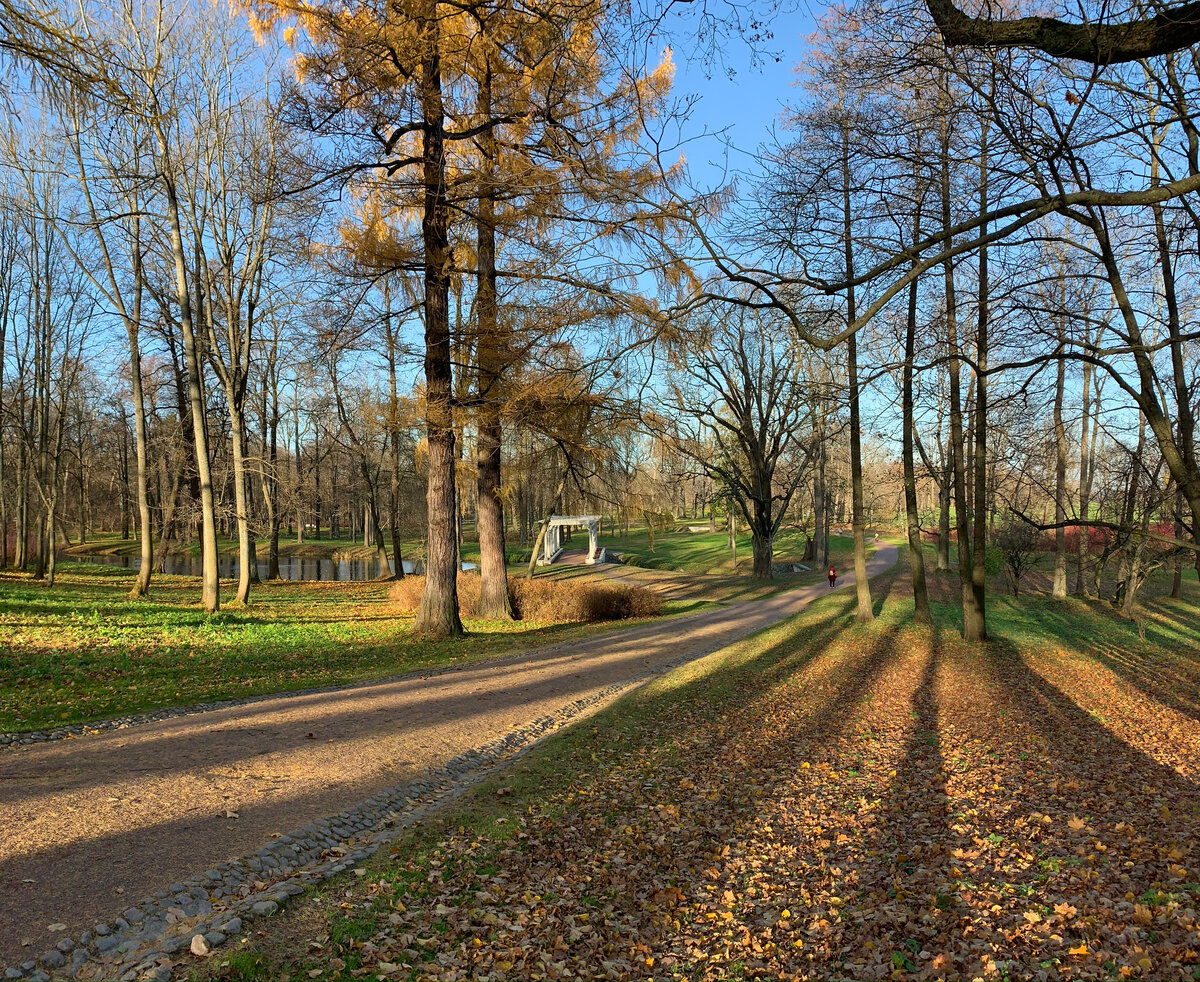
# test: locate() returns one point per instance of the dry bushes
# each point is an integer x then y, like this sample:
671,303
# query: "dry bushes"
544,601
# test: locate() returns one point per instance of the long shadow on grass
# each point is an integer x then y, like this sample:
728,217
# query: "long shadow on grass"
1157,672
1097,768
896,875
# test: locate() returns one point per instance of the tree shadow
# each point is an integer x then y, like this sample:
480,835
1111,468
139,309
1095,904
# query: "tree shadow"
1160,672
898,872
1085,768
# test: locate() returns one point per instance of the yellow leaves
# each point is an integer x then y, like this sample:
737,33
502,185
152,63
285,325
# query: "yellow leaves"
1032,916
1065,911
1142,915
1079,950
1164,813
1076,824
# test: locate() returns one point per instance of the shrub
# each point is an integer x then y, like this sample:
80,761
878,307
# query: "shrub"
544,601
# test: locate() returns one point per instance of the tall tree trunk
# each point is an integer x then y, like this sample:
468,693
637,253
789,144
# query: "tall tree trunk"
820,536
862,585
1086,451
957,442
1060,474
210,589
976,629
1177,578
438,614
494,601
247,560
141,439
916,555
394,434
761,545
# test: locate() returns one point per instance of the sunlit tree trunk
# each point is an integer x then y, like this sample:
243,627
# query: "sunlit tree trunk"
437,615
210,584
1060,473
494,602
916,555
865,611
975,627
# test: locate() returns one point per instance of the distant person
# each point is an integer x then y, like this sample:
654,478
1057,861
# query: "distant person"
832,577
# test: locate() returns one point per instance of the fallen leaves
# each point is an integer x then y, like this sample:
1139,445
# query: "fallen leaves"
875,808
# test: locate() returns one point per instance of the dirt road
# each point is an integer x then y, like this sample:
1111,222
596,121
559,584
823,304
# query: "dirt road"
90,826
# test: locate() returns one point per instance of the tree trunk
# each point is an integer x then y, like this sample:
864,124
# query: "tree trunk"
820,544
976,629
1086,451
394,435
247,561
210,582
438,614
957,441
141,437
492,345
764,554
916,555
1060,477
862,585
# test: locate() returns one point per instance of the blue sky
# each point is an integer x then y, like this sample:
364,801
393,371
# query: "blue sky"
744,96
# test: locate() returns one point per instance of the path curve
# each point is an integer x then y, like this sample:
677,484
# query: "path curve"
90,826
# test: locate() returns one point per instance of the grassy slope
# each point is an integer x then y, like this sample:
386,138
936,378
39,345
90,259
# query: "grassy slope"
819,800
708,552
85,651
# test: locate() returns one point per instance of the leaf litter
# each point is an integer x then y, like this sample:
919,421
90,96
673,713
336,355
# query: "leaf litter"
892,804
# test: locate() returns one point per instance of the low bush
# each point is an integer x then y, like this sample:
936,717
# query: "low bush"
544,601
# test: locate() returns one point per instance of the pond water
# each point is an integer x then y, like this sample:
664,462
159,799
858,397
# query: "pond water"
290,567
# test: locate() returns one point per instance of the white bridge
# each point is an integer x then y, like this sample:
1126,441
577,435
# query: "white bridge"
552,543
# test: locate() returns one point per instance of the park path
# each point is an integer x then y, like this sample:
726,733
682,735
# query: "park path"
90,826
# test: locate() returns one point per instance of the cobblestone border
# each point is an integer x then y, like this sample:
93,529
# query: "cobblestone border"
142,943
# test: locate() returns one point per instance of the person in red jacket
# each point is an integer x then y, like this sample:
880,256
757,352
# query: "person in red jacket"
832,577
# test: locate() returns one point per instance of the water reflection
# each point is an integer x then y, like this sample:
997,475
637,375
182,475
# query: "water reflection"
290,567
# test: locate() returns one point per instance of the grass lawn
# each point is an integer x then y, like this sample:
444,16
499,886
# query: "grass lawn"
708,552
83,650
820,800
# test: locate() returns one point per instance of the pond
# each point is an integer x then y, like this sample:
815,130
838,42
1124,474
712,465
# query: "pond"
290,567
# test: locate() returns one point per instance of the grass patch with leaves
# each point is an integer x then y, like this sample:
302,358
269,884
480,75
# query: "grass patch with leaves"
83,650
821,800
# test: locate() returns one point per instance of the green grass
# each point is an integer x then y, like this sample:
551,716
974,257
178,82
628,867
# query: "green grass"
708,552
83,650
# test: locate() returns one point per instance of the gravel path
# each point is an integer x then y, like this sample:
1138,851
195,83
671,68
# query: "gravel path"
93,826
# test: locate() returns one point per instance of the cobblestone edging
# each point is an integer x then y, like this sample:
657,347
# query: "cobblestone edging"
144,941
75,730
